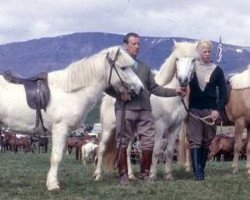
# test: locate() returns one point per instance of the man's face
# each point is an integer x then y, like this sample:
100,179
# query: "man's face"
205,54
133,46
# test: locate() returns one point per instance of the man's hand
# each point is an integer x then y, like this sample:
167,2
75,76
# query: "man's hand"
124,94
214,115
182,91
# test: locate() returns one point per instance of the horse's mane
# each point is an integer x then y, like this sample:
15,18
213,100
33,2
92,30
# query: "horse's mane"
241,80
80,73
168,68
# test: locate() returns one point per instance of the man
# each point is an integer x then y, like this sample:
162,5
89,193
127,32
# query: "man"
204,100
136,113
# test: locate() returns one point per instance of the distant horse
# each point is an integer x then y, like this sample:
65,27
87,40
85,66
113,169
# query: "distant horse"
71,142
74,91
43,143
11,141
24,143
222,147
89,152
176,71
84,140
238,111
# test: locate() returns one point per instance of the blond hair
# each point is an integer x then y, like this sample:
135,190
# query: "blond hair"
204,44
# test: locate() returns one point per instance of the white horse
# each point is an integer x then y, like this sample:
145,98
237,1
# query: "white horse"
168,112
87,150
74,91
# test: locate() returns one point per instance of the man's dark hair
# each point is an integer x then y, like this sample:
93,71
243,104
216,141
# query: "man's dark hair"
126,37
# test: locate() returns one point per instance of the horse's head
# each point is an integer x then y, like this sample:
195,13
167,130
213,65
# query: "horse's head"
186,54
120,72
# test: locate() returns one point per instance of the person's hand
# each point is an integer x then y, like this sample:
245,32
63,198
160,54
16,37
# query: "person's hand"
124,94
182,91
214,115
125,97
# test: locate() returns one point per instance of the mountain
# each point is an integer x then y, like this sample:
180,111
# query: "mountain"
49,54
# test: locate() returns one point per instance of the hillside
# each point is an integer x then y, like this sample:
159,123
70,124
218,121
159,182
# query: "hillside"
49,54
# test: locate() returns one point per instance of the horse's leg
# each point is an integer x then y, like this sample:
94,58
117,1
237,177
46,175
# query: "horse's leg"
106,134
248,150
184,151
169,152
59,133
131,175
187,164
83,159
239,128
157,148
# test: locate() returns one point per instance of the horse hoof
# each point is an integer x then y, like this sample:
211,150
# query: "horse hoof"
98,178
132,177
54,185
53,188
168,176
187,169
152,177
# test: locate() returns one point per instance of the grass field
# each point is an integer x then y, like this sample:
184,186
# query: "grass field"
23,176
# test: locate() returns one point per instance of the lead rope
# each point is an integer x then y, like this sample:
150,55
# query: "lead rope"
123,122
203,119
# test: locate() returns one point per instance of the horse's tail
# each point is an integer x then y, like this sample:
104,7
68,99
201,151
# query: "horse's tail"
110,153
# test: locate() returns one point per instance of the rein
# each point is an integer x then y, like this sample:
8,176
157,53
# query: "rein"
203,119
123,123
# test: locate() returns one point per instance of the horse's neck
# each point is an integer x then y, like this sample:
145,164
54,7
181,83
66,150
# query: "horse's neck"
167,71
173,83
79,75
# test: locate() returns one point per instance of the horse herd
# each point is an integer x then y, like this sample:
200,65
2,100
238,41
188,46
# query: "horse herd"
11,141
82,84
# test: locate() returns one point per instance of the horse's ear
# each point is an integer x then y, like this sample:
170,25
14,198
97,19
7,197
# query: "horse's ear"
196,44
175,43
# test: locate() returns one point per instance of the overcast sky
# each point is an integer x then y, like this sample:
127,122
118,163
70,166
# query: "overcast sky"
195,19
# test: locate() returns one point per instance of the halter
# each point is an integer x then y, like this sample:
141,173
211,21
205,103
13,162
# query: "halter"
112,66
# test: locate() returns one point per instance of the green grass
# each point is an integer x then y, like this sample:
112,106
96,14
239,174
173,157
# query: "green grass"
23,176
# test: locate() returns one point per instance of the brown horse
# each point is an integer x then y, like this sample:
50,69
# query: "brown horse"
15,141
238,111
71,142
221,146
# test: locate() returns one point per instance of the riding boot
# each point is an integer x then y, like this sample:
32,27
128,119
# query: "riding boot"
203,161
146,161
196,154
123,167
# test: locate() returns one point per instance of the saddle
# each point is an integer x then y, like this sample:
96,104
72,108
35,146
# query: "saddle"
36,88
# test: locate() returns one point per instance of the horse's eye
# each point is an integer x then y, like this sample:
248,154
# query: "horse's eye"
123,68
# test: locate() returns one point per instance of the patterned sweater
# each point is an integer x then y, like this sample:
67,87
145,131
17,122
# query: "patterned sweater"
214,95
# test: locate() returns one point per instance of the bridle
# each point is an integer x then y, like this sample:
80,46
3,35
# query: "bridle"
113,67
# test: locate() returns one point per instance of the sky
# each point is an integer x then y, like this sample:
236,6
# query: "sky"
194,19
